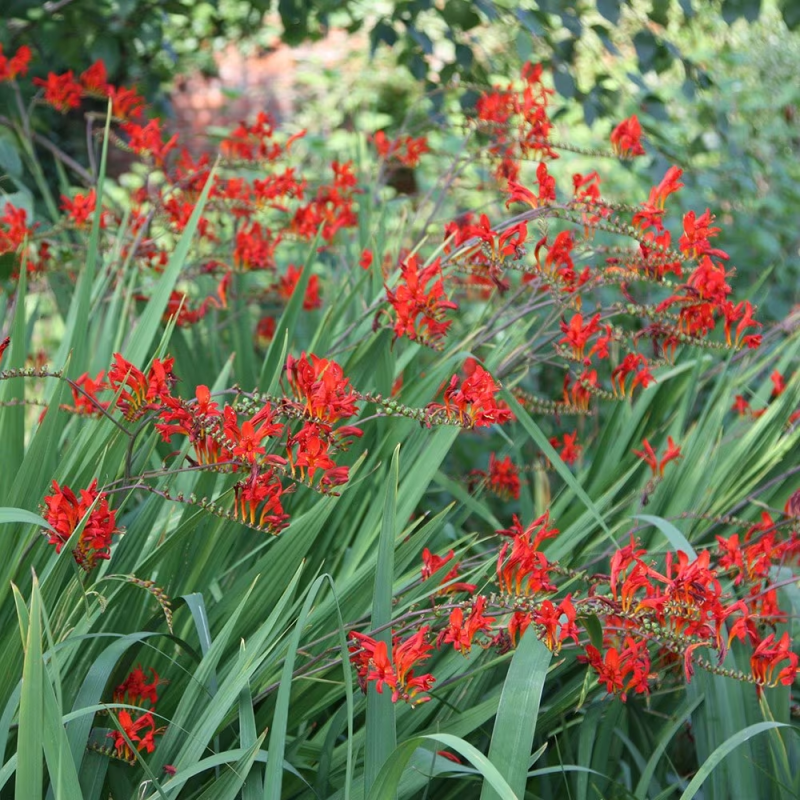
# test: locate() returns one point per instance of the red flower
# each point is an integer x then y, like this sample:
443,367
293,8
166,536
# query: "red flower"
265,332
13,228
546,194
256,142
626,138
64,514
525,564
743,313
262,490
653,209
474,402
419,308
137,392
632,664
126,103
86,401
461,632
696,234
570,450
558,622
503,477
289,281
62,92
147,140
17,65
404,149
322,387
81,208
366,259
648,455
433,563
778,384
255,248
766,658
132,691
95,79
577,334
636,364
372,662
4,345
136,687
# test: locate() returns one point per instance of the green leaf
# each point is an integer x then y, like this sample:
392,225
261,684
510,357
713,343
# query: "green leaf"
273,779
736,9
30,736
460,14
380,725
10,162
676,538
515,725
610,9
725,749
790,10
233,779
646,46
385,786
670,729
21,515
659,13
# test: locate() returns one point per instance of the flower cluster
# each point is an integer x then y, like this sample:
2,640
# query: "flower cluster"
653,619
141,729
419,306
15,66
65,92
374,665
404,149
64,513
471,402
502,478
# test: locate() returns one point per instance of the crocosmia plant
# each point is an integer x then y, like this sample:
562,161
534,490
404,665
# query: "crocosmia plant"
488,489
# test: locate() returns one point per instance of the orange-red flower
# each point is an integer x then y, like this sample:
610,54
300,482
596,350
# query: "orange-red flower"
503,478
16,66
768,656
431,562
419,302
321,386
648,455
577,334
626,138
62,92
404,149
64,513
137,392
526,570
373,665
133,691
80,208
14,228
462,631
557,622
147,140
474,402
